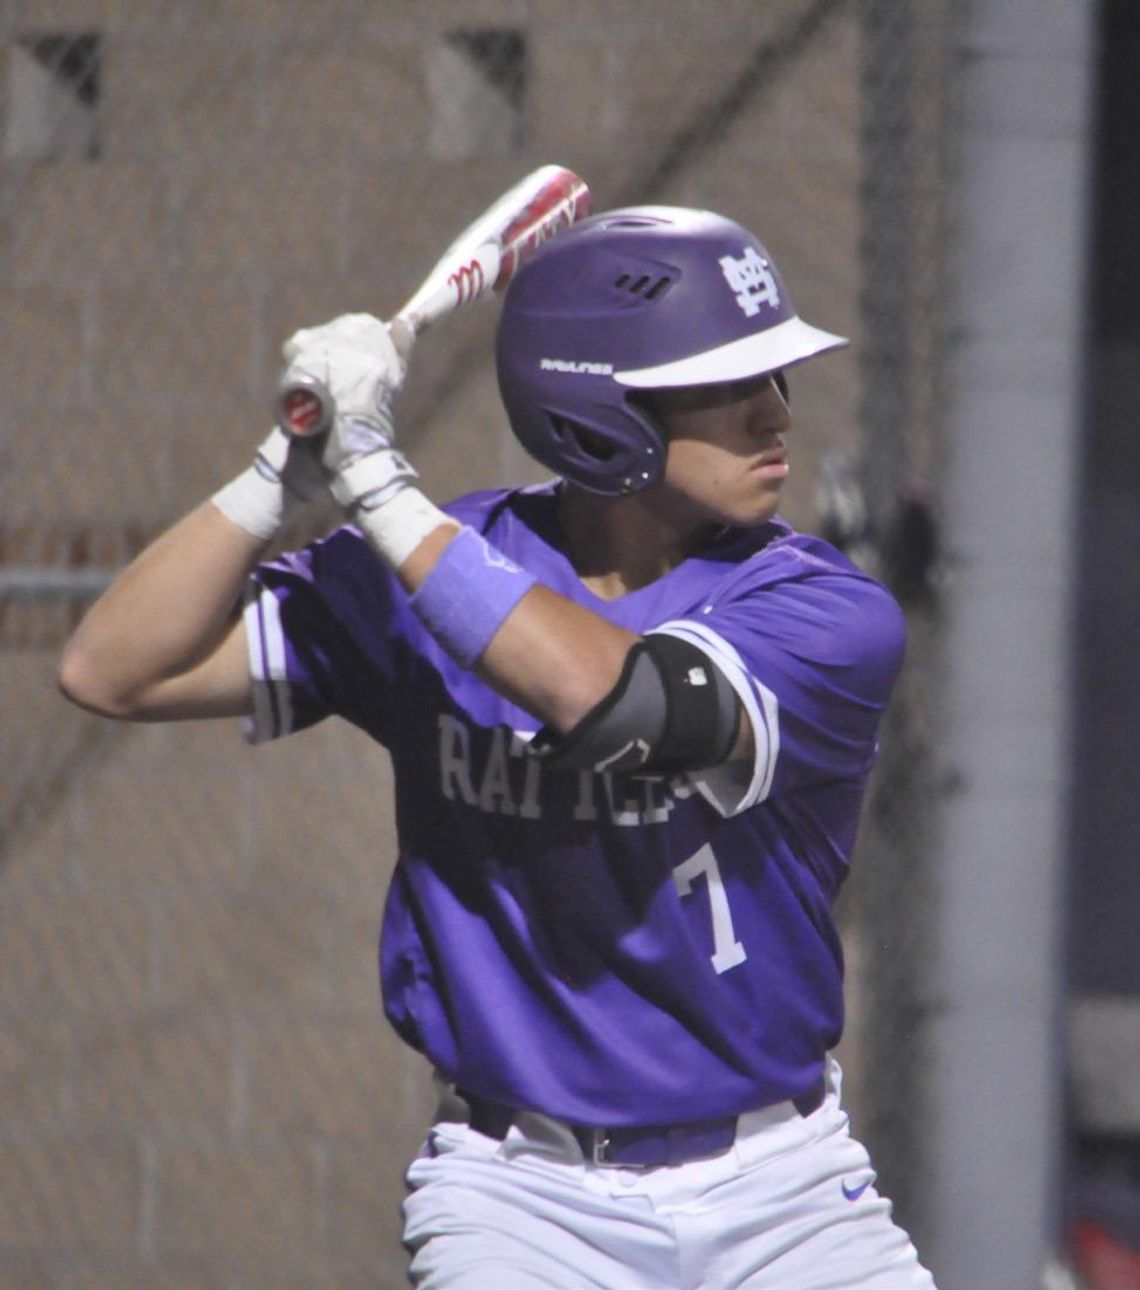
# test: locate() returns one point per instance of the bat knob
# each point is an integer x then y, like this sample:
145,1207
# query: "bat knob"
305,407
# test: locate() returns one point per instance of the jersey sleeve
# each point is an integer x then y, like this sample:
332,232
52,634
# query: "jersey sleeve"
813,662
316,624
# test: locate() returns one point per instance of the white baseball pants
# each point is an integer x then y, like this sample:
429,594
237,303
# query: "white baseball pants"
792,1206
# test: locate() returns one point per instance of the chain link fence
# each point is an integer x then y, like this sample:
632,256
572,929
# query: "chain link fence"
197,1087
908,140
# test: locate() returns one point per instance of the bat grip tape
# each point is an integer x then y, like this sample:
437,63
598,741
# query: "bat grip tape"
468,595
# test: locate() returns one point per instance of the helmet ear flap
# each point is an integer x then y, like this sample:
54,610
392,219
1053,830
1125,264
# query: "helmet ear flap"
655,446
639,403
592,455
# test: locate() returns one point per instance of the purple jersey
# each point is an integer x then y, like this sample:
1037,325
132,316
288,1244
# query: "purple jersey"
608,950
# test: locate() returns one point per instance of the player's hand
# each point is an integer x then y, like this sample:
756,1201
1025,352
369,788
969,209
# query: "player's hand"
356,359
293,463
362,363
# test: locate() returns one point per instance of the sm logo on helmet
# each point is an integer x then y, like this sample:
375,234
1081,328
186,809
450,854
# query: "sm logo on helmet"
752,280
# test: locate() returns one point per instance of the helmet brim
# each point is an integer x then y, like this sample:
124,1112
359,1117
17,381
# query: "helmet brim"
789,342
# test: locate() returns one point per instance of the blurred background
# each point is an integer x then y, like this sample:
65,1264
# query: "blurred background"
197,1089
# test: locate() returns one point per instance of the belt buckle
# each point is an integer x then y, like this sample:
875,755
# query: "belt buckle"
598,1141
599,1145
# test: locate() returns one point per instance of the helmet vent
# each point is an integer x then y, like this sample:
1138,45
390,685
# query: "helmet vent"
593,445
644,285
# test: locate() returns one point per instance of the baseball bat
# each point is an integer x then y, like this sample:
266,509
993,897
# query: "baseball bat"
482,259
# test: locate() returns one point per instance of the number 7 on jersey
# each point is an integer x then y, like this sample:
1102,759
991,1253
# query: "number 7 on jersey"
727,950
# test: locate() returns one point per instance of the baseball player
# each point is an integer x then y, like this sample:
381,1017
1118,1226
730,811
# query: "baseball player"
631,715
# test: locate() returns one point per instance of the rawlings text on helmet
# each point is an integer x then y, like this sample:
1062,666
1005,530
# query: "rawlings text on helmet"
575,367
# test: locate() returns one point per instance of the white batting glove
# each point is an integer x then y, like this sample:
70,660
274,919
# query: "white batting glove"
285,473
358,360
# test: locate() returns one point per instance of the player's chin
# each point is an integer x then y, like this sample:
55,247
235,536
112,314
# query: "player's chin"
752,509
739,503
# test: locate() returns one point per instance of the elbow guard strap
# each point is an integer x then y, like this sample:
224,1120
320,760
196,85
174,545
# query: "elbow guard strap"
671,710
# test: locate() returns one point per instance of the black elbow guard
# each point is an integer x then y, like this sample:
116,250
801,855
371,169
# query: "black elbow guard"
671,710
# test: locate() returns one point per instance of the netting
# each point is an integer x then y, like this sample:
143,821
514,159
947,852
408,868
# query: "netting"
198,1089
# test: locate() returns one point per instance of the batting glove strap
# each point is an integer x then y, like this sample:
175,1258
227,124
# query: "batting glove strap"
283,475
368,482
396,527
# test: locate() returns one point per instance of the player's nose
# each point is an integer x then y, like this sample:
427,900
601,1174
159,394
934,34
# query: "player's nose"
766,411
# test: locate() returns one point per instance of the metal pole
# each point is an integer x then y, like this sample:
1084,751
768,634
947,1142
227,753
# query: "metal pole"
50,583
1012,424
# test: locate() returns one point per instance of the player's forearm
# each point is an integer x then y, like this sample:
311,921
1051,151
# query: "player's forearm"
162,619
551,657
554,659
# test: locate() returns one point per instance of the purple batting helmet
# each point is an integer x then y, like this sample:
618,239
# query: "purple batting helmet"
645,298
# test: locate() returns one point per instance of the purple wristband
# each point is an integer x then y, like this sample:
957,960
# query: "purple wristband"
468,594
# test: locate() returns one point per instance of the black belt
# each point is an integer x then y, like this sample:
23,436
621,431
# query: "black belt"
643,1146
